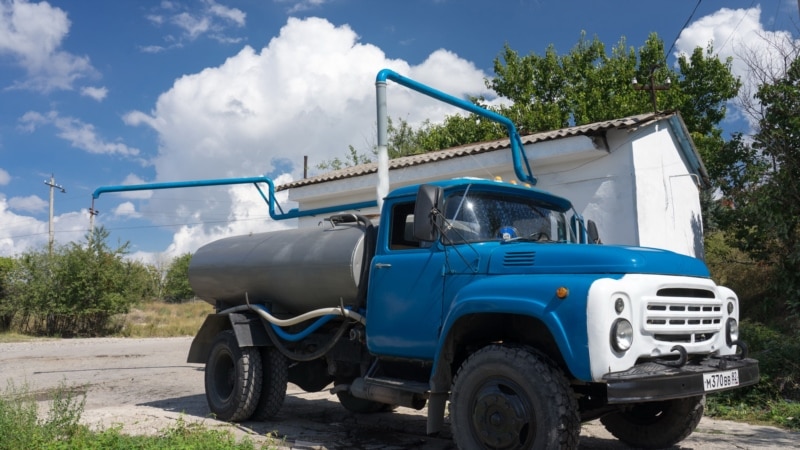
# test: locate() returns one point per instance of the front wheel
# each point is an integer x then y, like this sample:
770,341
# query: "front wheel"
232,378
512,398
656,424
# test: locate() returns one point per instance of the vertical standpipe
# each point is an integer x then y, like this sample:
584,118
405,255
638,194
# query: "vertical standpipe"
522,168
383,151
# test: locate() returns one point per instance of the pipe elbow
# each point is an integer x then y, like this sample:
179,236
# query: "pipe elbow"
384,75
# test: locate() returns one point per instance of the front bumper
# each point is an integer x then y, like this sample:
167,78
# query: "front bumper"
653,381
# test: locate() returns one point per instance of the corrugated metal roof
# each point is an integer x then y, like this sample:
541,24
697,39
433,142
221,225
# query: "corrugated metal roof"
482,147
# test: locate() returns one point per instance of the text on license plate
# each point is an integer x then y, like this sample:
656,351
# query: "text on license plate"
720,380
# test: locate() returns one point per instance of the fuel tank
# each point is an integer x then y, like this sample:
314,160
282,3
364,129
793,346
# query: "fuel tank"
296,270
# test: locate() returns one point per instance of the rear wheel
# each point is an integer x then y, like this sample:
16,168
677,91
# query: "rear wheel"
656,424
512,398
232,378
273,386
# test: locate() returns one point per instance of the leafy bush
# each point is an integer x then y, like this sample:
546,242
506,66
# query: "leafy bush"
176,282
76,289
21,427
776,397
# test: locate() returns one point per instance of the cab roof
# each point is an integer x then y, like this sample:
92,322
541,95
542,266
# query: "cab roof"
483,185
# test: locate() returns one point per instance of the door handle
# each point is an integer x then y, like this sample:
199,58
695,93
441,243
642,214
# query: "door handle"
382,265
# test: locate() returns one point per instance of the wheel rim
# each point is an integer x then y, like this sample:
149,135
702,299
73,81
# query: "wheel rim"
502,415
224,376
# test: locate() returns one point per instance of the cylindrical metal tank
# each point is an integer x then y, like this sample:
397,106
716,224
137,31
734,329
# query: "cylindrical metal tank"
296,270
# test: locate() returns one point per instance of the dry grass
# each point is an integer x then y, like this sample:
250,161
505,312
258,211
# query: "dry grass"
13,336
157,319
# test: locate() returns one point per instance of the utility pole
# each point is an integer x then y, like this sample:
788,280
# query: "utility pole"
652,87
53,186
92,212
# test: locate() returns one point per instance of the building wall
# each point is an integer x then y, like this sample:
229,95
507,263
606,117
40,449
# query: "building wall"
600,189
667,196
634,185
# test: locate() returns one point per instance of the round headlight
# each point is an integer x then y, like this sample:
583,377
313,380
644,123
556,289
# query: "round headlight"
730,308
731,331
619,305
621,335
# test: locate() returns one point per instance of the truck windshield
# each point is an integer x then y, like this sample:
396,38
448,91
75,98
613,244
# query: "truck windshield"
485,216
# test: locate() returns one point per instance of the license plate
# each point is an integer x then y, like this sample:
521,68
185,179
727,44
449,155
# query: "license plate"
720,380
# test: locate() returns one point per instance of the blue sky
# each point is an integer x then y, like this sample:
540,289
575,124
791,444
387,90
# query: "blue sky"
102,92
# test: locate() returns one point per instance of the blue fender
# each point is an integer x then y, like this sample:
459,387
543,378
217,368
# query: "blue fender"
533,296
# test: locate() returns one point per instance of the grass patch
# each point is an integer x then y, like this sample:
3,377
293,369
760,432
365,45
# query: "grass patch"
13,336
23,427
158,319
779,413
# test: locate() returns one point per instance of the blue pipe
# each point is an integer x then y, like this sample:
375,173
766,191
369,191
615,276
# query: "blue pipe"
522,168
269,199
295,337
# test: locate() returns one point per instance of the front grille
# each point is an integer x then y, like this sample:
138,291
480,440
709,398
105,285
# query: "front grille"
683,315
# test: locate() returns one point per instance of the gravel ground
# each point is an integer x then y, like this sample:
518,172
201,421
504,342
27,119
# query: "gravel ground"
145,385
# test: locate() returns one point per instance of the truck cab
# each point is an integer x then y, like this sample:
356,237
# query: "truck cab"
470,266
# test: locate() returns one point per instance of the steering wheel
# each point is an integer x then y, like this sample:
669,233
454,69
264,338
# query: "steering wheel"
540,236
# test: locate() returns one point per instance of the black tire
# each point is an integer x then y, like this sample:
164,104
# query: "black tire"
656,424
273,386
232,379
512,398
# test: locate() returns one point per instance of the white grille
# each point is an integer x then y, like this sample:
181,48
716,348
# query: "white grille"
683,315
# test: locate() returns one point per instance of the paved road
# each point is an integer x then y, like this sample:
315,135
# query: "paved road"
146,385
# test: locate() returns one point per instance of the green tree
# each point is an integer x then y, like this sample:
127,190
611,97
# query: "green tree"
353,158
176,284
546,92
7,309
771,222
76,289
761,197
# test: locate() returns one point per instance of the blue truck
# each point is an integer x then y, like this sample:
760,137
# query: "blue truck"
488,297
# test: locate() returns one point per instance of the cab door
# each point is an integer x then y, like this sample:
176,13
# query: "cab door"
404,303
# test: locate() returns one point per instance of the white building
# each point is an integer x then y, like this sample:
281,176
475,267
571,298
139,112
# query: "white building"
637,177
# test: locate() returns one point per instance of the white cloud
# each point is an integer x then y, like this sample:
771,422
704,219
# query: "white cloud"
126,209
20,233
237,16
133,179
32,33
97,93
31,203
738,33
310,91
302,5
78,133
5,178
211,19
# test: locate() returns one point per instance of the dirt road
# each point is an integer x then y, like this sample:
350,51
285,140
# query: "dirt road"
146,385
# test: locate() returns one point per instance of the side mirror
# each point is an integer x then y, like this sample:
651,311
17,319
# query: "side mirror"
427,219
591,231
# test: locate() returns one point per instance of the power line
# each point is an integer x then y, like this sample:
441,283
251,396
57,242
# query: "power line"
138,227
737,26
683,28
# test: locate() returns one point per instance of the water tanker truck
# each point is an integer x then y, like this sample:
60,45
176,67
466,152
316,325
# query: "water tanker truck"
483,295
